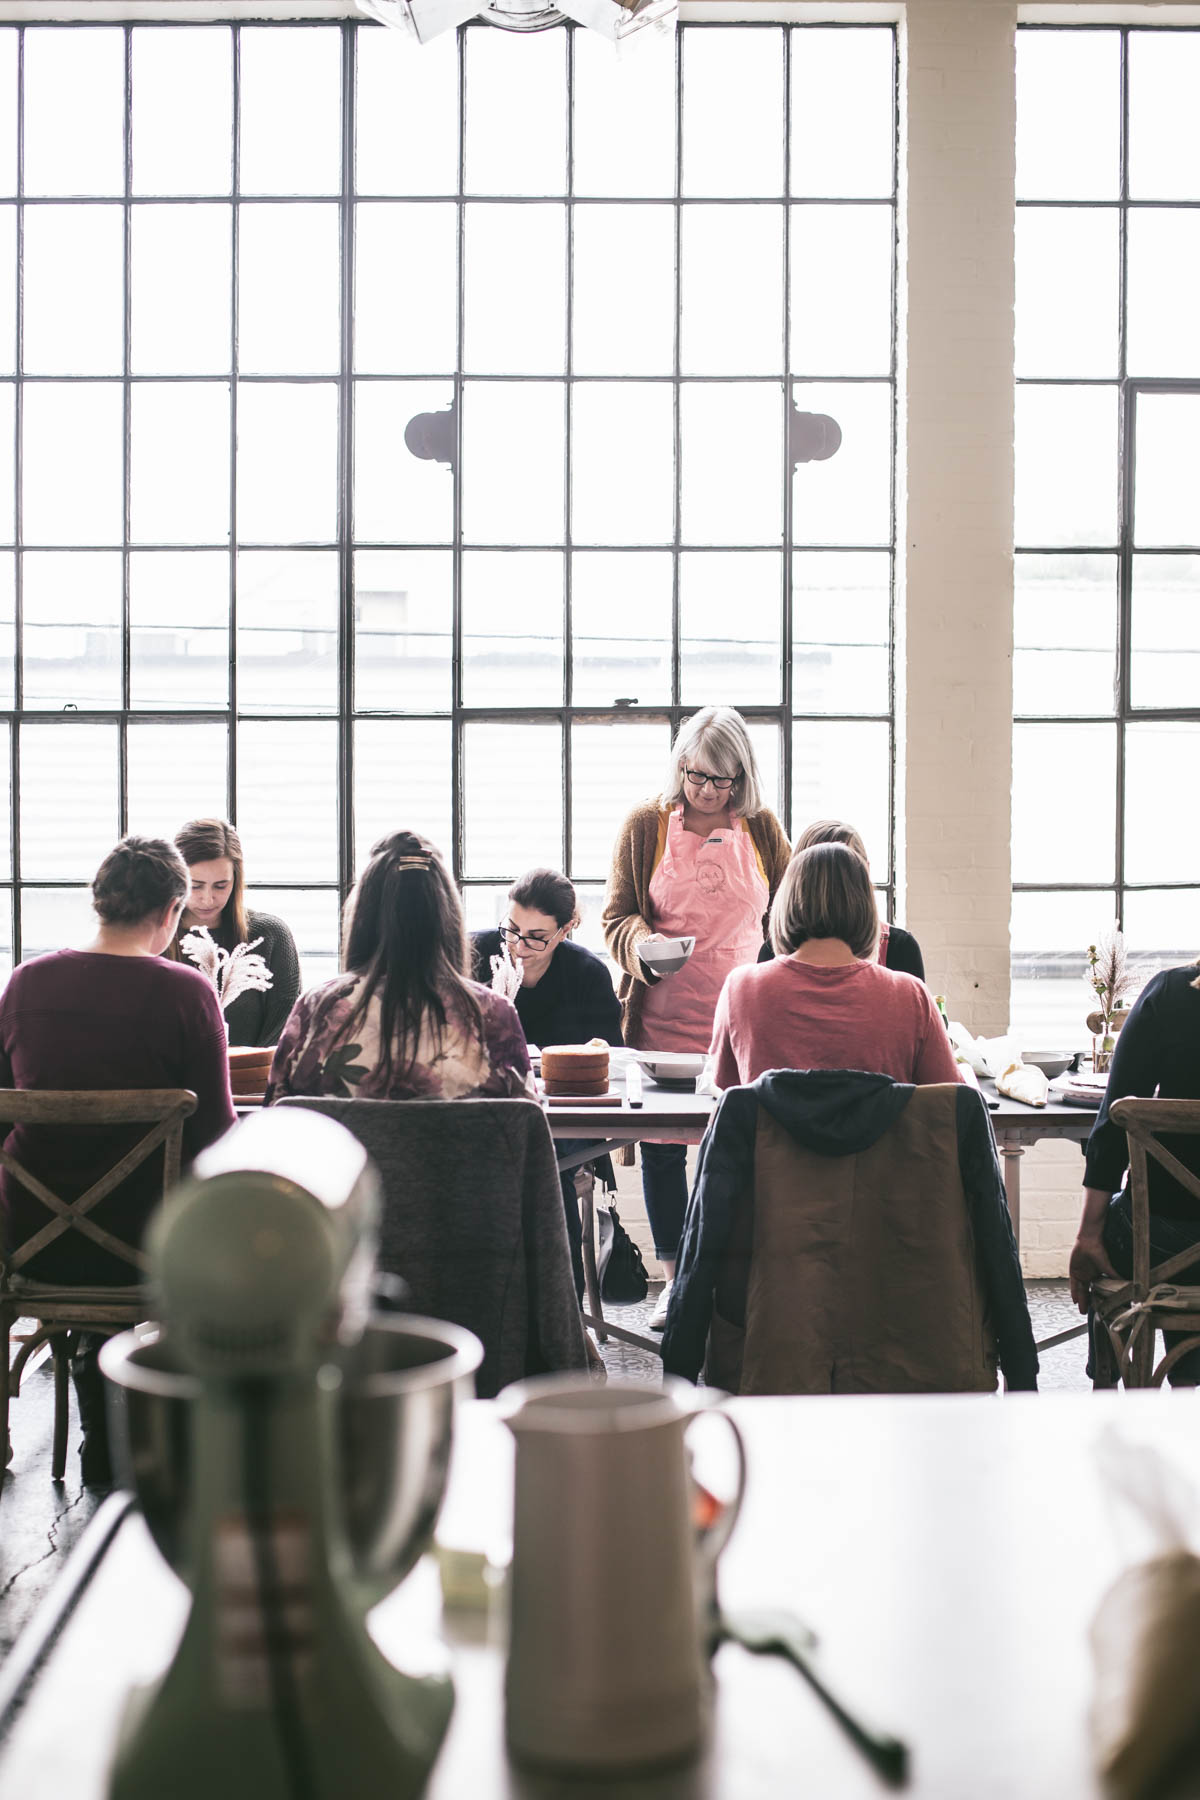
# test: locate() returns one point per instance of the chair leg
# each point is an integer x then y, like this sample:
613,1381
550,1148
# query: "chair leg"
591,1281
62,1403
29,1347
6,1321
1173,1355
1142,1358
1107,1373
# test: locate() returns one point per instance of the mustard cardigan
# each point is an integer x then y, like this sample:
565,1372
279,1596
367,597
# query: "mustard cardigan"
636,855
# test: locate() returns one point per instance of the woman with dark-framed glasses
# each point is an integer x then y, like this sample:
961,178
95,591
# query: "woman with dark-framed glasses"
702,860
565,994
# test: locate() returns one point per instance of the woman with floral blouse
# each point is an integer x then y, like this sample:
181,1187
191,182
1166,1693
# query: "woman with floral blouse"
403,1022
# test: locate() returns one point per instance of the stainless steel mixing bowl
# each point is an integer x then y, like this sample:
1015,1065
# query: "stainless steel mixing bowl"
394,1420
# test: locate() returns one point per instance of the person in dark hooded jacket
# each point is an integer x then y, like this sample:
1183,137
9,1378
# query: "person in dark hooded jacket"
849,1233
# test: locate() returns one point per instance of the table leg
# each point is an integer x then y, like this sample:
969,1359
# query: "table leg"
1012,1154
591,1282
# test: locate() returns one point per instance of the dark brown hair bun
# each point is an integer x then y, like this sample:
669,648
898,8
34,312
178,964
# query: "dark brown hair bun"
137,879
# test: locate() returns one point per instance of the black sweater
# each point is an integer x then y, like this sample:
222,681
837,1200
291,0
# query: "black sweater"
256,1018
1158,1052
572,1003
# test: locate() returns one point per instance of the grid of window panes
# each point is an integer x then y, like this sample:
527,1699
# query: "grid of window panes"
401,438
1106,747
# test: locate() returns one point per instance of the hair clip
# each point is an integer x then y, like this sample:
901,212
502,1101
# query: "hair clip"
419,859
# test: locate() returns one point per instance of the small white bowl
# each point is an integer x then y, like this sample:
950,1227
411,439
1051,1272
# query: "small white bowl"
668,955
1050,1062
672,1065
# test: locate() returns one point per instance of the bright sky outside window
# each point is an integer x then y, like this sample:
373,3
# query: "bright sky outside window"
1107,662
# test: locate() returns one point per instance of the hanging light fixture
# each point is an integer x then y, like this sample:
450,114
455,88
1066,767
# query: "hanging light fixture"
617,20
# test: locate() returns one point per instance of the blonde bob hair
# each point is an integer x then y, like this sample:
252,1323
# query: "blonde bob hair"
716,740
826,892
831,831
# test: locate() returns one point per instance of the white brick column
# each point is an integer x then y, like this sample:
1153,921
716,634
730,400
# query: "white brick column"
956,461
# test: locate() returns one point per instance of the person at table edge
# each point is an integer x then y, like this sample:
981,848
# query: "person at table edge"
212,850
566,996
864,1038
824,1002
1157,1052
897,949
403,1021
702,860
112,1014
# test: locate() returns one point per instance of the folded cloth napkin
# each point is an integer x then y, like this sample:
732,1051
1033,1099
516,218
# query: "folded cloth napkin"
1018,1081
1145,1643
987,1056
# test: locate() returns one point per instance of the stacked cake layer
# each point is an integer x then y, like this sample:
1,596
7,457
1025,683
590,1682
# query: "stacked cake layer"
249,1068
575,1069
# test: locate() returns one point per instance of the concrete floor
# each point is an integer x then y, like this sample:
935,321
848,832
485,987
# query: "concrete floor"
40,1520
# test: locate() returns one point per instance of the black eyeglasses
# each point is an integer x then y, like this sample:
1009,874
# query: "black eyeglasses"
530,940
722,783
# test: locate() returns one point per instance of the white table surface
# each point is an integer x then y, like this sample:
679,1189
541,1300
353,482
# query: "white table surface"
949,1551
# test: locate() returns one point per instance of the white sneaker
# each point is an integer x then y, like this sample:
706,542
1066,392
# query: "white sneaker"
658,1318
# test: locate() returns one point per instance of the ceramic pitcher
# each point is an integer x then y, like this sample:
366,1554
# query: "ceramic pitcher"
611,1575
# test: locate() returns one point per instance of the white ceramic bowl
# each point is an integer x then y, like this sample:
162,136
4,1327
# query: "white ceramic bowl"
668,955
1050,1062
672,1065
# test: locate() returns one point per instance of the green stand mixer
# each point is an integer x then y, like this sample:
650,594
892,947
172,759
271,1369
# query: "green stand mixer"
290,1454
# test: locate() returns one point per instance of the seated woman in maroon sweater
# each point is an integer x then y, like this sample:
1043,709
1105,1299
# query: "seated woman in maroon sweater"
114,1014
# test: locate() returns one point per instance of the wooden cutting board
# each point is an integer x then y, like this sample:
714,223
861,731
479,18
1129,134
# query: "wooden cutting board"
583,1099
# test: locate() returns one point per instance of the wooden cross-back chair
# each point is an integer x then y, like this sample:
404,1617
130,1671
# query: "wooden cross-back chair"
1130,1312
59,1307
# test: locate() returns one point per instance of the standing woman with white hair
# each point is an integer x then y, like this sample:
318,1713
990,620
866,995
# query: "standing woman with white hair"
702,860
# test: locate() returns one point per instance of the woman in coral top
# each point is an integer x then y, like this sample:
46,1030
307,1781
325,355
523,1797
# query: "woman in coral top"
825,1003
702,860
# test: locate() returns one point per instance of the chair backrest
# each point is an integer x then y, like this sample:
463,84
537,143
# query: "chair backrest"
1145,1123
473,1224
163,1109
862,1274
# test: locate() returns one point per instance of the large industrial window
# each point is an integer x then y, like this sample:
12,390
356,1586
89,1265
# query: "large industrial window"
1107,671
416,436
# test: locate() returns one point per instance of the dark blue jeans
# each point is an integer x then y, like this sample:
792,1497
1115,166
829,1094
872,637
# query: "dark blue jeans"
665,1189
574,1227
1167,1237
567,1147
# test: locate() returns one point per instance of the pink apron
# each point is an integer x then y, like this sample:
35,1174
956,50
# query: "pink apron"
710,888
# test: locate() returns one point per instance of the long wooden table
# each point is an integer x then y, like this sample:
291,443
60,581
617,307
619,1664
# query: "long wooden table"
949,1552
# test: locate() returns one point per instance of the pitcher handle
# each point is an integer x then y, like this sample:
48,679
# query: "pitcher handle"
713,1538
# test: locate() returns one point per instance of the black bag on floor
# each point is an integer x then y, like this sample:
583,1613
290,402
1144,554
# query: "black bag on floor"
619,1265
